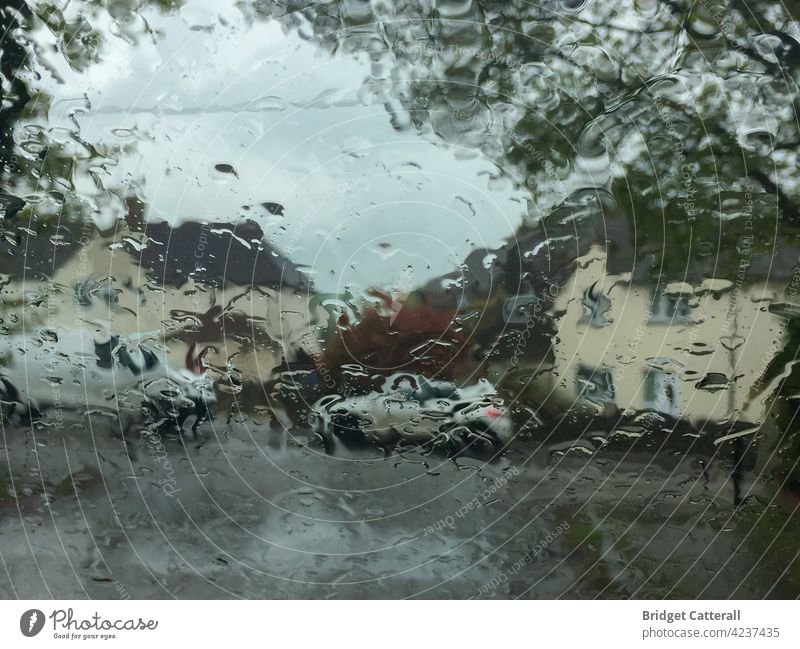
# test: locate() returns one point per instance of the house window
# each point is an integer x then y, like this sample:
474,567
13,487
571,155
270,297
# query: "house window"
594,384
596,306
661,392
668,309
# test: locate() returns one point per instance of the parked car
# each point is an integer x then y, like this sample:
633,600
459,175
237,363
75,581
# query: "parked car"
412,410
73,371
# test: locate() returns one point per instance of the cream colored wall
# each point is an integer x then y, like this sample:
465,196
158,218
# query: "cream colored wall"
32,305
729,331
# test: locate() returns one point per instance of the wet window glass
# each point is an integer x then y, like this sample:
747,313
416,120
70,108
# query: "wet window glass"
285,286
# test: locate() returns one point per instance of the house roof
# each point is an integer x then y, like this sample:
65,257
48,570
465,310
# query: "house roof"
207,252
211,253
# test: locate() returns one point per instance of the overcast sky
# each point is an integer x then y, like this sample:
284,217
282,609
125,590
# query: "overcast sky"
366,204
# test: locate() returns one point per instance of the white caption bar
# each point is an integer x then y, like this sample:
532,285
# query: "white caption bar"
397,624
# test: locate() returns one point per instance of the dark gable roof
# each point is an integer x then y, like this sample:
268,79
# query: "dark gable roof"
211,253
208,252
546,254
36,250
